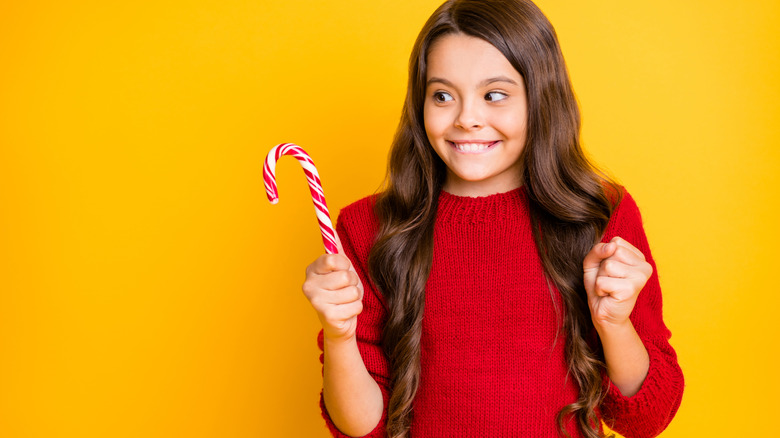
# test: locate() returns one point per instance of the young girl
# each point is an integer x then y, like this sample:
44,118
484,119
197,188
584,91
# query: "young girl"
499,285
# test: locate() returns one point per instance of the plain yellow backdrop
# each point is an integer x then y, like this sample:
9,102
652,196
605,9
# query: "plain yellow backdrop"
148,289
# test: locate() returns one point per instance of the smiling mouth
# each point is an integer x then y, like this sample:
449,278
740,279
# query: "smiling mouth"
473,147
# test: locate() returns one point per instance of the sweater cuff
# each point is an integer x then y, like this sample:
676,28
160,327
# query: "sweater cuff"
651,409
379,430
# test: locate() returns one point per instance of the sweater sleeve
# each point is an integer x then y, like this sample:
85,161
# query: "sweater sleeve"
649,411
355,230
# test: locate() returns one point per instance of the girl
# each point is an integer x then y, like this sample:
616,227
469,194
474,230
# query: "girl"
499,285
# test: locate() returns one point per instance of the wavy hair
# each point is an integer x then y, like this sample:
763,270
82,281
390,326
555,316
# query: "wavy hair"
570,201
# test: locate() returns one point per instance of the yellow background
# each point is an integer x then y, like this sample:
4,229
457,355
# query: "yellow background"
148,289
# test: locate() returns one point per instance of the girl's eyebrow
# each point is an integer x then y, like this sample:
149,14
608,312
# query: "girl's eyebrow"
481,84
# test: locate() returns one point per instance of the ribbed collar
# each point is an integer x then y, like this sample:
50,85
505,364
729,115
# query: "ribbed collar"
466,209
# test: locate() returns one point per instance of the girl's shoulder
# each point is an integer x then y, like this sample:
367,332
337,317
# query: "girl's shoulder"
625,205
357,225
361,210
626,220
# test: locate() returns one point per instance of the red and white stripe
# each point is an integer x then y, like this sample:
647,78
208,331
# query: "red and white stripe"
315,186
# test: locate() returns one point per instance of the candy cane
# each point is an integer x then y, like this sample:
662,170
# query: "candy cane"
315,186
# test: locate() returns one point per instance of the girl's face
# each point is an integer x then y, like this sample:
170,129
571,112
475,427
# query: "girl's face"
475,115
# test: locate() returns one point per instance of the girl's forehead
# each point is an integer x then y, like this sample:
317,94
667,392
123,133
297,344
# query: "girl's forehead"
466,58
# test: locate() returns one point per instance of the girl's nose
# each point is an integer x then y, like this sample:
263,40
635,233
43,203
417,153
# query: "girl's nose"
469,117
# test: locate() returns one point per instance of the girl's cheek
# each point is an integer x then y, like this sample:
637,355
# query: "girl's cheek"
513,119
434,120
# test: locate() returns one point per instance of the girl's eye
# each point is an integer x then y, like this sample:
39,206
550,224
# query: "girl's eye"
495,96
441,97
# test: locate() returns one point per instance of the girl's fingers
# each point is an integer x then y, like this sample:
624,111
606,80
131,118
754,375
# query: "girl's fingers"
612,267
591,265
342,296
599,252
627,251
343,312
337,280
335,291
618,288
328,263
635,275
625,262
625,256
326,302
337,287
355,280
351,268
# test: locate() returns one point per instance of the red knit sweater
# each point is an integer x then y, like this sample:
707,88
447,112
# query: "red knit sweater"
492,357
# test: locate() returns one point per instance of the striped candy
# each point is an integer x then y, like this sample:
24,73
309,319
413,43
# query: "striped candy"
315,186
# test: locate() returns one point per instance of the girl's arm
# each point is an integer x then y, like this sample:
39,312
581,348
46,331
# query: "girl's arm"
643,381
355,368
625,355
615,272
350,394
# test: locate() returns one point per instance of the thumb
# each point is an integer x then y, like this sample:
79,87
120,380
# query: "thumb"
591,263
599,252
351,268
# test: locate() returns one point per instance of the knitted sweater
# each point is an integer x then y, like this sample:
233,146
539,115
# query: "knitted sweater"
492,355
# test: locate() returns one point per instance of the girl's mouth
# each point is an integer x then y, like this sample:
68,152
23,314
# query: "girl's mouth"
475,147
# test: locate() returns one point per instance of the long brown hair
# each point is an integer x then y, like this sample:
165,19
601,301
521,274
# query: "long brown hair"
569,199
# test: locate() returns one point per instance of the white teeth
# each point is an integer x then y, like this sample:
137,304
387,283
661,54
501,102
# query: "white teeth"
472,147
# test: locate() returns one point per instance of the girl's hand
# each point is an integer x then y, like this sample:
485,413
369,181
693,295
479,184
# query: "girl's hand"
614,273
336,293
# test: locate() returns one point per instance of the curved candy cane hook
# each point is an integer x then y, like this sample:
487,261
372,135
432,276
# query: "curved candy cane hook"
315,187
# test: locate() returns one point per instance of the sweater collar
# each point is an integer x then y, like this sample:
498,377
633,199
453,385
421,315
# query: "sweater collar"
499,206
